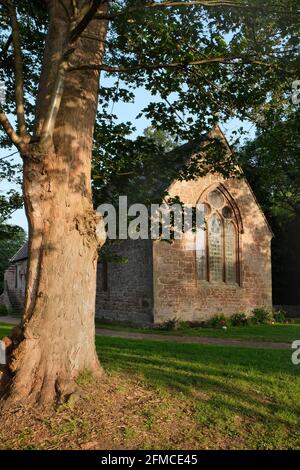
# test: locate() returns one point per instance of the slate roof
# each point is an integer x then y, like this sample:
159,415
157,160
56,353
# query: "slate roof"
21,254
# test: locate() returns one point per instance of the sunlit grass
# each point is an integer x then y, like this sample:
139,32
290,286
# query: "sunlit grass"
277,332
251,396
232,397
286,333
5,329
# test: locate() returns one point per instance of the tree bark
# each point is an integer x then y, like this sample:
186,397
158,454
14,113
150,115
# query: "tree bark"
57,340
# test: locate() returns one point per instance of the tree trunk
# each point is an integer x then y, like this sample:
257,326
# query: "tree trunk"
57,341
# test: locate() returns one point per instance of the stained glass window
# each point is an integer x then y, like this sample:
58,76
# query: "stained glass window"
217,244
216,199
227,212
215,241
230,252
201,255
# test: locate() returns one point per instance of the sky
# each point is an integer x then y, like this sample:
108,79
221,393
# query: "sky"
125,112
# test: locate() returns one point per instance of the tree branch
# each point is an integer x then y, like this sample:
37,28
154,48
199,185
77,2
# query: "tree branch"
65,9
54,105
4,121
209,3
214,3
5,48
10,155
75,8
87,16
18,63
173,65
203,3
81,19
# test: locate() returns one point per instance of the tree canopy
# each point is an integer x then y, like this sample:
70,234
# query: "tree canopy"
10,200
203,61
272,164
206,61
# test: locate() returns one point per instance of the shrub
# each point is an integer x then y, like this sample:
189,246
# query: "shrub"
170,325
239,319
3,310
279,316
260,315
218,321
184,325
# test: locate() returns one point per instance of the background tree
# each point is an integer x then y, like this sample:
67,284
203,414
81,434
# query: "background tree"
205,60
272,164
10,200
132,167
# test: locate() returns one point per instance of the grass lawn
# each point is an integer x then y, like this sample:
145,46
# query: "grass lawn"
277,333
5,329
286,333
234,398
174,396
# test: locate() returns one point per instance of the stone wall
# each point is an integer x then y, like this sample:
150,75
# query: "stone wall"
14,286
159,281
129,296
177,290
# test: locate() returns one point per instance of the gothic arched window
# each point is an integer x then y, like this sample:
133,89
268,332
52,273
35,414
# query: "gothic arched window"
217,248
230,252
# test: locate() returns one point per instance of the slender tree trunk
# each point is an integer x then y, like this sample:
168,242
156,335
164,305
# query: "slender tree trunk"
57,340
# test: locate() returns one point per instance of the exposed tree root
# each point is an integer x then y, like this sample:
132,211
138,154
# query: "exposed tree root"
33,377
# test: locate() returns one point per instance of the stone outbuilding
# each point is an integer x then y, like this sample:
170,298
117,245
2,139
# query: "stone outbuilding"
15,281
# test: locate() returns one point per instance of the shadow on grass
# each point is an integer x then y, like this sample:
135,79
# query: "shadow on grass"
261,384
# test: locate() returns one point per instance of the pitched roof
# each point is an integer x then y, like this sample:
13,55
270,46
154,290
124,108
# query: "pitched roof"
187,151
162,181
21,254
153,184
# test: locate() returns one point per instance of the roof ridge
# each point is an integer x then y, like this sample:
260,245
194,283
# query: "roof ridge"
21,254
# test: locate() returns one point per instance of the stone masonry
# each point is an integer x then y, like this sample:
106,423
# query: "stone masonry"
160,282
177,291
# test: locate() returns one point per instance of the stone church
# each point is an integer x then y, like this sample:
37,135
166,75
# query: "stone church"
230,272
